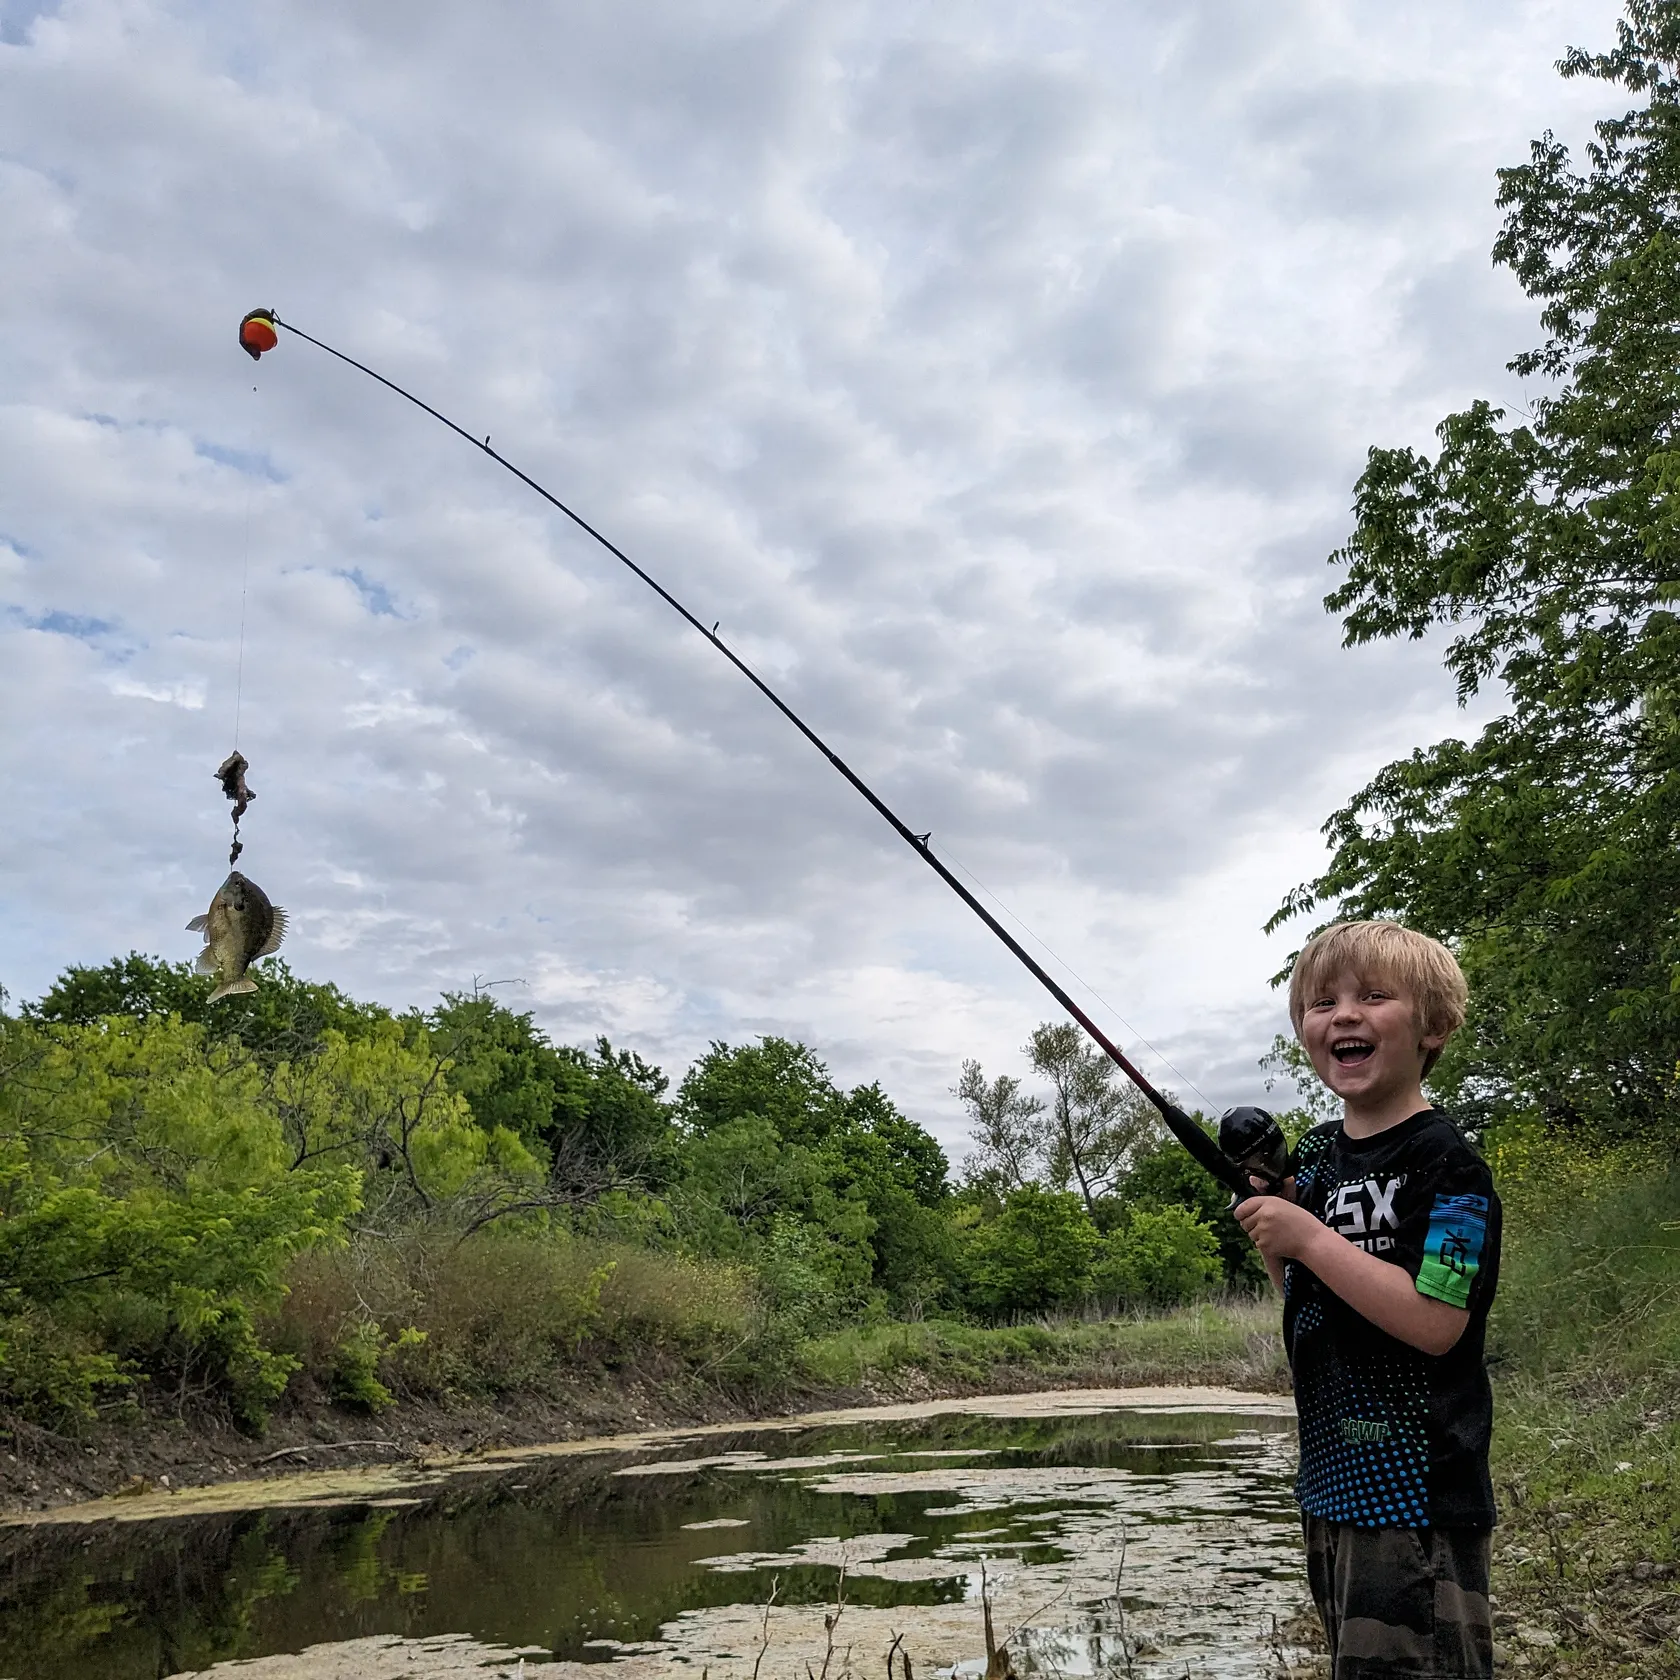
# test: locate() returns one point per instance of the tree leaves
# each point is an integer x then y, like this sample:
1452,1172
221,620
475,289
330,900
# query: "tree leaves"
1545,850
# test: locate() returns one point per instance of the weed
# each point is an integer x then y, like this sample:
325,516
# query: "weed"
1233,1342
504,1311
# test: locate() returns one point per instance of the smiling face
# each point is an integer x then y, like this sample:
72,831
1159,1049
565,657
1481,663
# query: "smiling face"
1363,1038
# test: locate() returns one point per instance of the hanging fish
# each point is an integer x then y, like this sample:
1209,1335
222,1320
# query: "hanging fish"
257,333
240,926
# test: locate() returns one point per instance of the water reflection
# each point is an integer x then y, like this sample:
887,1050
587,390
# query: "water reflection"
586,1558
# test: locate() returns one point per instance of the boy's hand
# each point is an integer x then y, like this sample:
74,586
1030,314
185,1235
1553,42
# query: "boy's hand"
1278,1226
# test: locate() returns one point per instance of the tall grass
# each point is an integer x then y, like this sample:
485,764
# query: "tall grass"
505,1311
1233,1342
1590,1288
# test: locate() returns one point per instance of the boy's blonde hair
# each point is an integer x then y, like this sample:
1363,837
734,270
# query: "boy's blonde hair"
1378,951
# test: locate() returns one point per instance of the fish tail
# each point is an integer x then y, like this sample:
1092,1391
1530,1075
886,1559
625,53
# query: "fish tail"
232,989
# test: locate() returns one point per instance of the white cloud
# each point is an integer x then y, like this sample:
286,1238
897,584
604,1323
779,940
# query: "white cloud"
997,377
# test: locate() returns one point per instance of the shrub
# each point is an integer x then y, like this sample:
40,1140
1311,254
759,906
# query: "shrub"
1590,1275
672,1300
505,1310
1036,1255
1158,1257
1166,1176
146,1213
47,1371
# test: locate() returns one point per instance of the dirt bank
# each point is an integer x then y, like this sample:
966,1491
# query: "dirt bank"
171,1448
411,1476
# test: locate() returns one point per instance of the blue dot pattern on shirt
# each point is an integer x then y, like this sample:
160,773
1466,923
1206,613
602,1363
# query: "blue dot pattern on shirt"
1364,1443
1363,1400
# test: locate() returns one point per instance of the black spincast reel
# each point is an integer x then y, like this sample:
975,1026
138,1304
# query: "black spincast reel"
1253,1141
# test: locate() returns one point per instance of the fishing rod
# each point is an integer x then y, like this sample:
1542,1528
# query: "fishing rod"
1250,1140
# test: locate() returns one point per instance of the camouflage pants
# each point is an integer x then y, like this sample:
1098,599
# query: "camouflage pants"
1402,1603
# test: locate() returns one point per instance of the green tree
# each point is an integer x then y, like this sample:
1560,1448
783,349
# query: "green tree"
898,1171
1165,1176
776,1079
1006,1128
771,1139
1545,849
283,1017
1096,1118
384,1103
748,1194
1156,1257
1035,1256
596,1118
917,1161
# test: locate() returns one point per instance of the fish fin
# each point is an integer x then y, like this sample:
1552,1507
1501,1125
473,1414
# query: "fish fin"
272,943
197,924
232,989
206,963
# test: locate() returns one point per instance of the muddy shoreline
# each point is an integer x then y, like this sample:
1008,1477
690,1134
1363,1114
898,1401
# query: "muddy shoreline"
417,1471
42,1470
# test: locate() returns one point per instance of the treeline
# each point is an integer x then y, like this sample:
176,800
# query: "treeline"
215,1202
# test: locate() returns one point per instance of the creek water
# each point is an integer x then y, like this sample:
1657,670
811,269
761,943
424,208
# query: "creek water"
1133,1542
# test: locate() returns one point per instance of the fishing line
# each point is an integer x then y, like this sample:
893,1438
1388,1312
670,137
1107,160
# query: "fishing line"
256,335
231,771
244,584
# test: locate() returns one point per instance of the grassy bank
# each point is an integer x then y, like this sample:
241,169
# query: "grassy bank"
1587,1440
513,1343
1233,1344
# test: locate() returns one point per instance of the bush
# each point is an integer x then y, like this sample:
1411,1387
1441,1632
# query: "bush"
1590,1275
50,1372
145,1214
506,1310
1035,1256
1160,1257
1167,1176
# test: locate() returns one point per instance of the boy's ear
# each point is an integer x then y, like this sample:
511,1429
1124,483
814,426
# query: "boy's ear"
1430,1046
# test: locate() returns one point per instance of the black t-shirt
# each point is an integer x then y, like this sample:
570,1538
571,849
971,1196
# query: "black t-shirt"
1392,1437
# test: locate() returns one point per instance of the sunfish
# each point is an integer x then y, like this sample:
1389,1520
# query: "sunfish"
240,926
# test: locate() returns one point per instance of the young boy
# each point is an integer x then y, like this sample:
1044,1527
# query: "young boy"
1387,1254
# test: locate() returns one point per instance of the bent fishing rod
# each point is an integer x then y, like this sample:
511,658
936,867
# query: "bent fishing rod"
1250,1141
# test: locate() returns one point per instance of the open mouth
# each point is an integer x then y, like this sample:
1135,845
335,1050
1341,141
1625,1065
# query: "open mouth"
1351,1051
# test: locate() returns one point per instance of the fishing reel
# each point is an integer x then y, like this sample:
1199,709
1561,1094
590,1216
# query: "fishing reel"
1253,1142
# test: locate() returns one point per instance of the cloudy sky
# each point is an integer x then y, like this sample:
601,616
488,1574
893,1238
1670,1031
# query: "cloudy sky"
996,373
